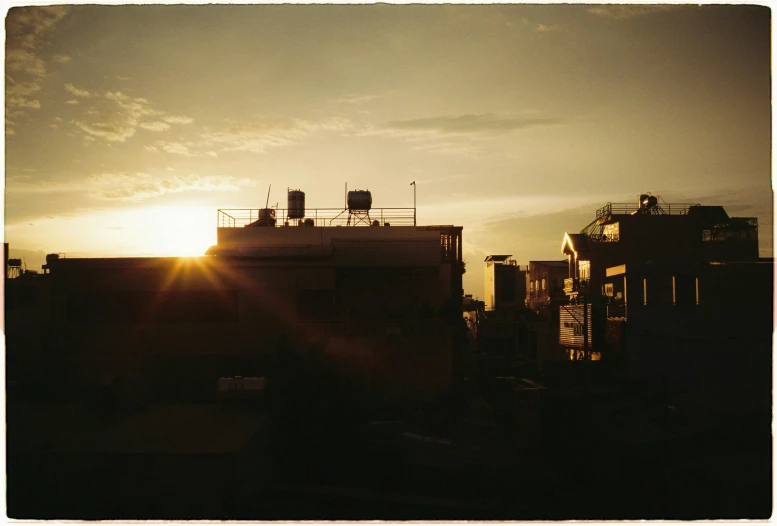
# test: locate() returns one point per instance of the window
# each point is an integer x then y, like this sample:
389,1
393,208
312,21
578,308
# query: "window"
585,269
543,283
612,232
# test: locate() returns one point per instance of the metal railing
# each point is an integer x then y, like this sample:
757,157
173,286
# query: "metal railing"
630,208
241,217
604,238
575,285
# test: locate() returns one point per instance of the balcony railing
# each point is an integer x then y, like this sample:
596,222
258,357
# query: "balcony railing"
630,208
604,238
575,285
235,218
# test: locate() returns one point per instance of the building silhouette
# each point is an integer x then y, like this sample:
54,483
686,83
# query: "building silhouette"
372,300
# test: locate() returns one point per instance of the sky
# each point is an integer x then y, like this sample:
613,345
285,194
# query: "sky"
127,127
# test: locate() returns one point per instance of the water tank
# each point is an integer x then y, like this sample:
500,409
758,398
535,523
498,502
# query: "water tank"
359,200
266,218
51,257
296,204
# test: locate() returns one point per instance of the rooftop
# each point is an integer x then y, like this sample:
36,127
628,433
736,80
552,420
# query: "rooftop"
500,257
320,217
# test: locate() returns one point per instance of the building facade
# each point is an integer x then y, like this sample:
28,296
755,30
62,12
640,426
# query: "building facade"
504,283
545,283
374,301
645,254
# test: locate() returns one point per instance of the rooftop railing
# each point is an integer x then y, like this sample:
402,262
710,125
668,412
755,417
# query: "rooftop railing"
631,208
242,217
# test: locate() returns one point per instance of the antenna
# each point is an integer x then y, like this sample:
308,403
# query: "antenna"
267,203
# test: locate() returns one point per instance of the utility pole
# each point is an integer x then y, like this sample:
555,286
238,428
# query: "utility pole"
414,206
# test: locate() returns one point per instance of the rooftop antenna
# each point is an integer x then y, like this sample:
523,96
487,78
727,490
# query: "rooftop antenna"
267,203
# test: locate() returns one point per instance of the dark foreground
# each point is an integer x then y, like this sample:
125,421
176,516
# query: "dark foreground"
320,453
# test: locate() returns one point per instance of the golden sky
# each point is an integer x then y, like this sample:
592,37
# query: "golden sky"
127,127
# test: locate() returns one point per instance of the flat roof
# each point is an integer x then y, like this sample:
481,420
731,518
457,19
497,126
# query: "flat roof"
502,257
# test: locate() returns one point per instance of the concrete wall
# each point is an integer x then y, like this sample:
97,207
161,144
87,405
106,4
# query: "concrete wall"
380,313
277,236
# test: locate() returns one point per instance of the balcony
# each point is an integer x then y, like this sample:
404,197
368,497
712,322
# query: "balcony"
574,286
604,238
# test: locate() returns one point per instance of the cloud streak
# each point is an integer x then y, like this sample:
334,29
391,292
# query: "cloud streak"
258,137
124,186
143,186
542,28
356,99
77,92
456,134
115,116
471,124
623,12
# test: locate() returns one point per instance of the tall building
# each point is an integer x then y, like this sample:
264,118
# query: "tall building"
504,283
363,289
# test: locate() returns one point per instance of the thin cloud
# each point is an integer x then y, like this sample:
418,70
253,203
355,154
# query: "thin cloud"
71,101
177,148
542,28
258,137
471,123
356,99
127,187
177,119
77,92
154,126
25,62
142,186
626,11
26,28
116,117
107,130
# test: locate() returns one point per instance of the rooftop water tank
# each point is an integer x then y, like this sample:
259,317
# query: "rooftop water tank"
296,204
648,201
359,200
266,218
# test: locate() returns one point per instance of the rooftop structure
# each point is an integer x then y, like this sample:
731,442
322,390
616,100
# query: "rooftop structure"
665,248
504,282
362,288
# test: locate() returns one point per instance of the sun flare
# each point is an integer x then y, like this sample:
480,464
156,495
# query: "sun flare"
181,231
